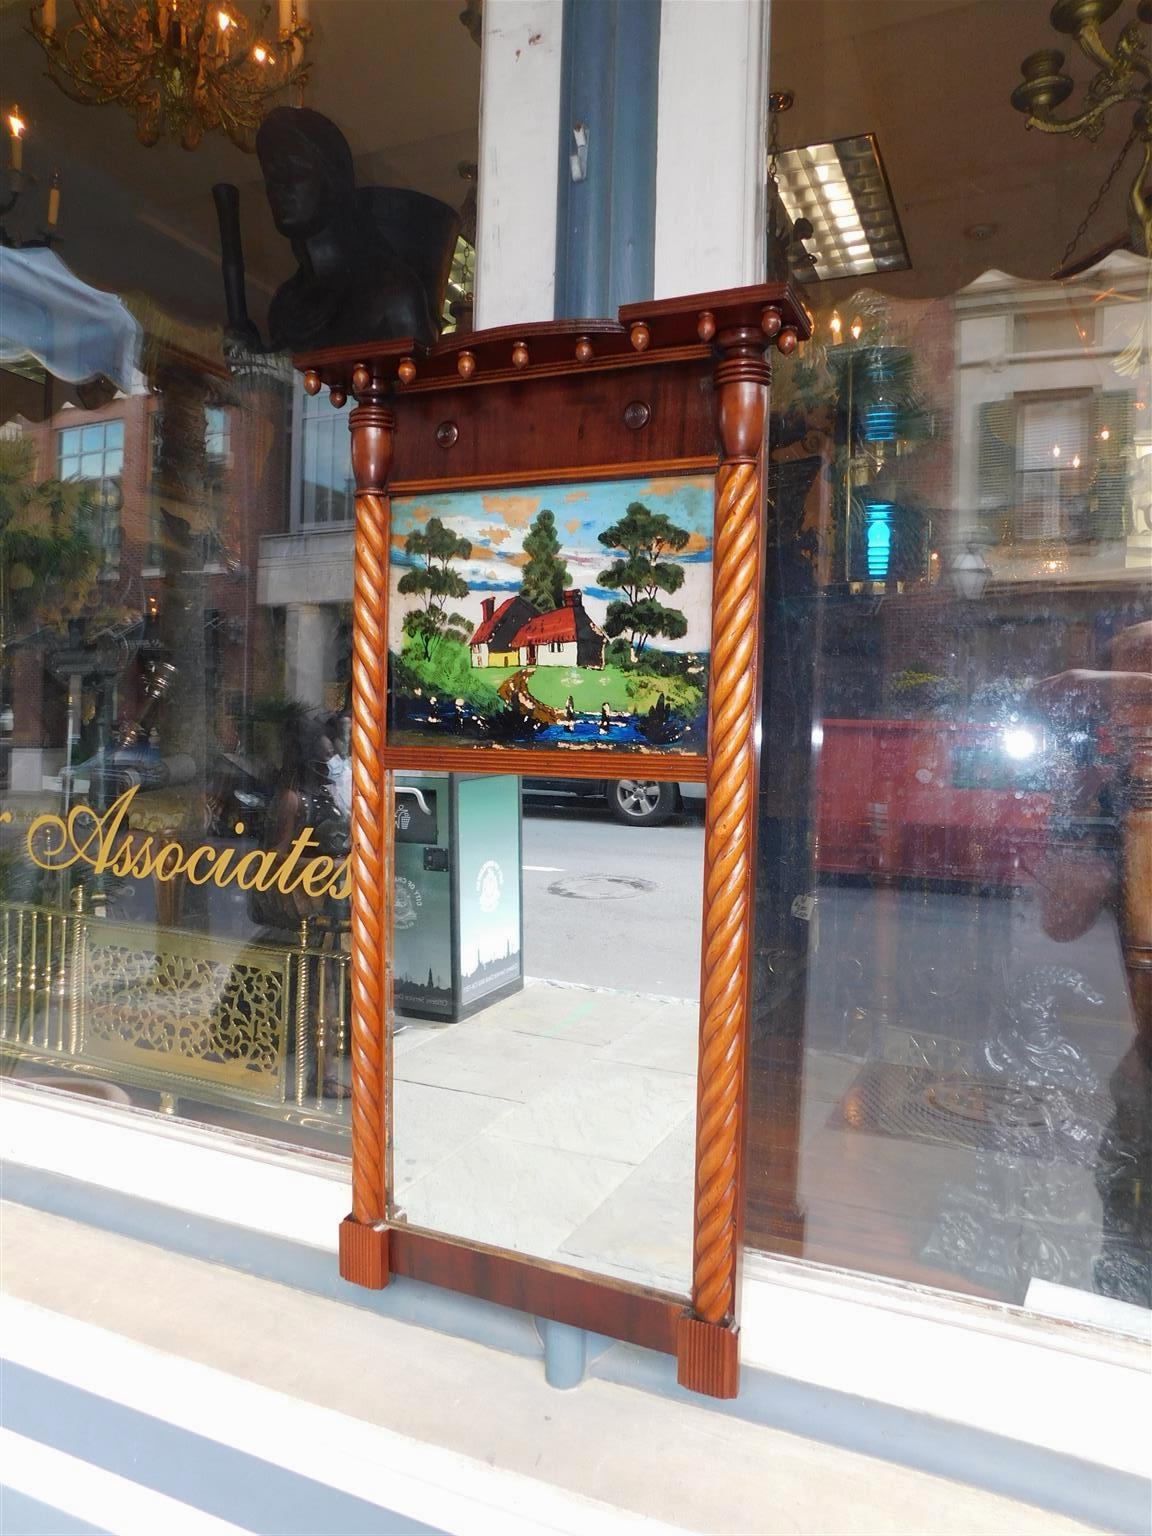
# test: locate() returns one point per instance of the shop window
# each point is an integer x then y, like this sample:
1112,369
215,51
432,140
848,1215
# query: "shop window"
950,1080
172,667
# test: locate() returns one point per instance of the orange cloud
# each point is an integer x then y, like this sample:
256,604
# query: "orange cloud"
575,496
572,525
496,534
673,485
696,543
516,511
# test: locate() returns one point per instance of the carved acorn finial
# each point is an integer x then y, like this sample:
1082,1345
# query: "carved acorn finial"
466,365
361,380
706,325
787,341
640,336
312,382
338,397
406,370
583,350
519,355
771,321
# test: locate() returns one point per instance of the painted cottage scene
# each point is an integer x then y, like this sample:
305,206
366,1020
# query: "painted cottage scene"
565,616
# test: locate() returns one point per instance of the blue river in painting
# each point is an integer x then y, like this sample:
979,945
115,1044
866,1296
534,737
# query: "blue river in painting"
591,728
447,718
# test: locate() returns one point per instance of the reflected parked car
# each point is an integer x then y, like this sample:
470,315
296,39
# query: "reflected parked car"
635,802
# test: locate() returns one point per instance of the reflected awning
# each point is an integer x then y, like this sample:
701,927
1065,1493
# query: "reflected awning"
75,331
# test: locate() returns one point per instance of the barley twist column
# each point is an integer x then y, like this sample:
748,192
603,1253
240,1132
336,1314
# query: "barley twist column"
707,1344
363,1239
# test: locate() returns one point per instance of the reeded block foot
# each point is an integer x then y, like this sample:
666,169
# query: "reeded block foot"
707,1357
364,1255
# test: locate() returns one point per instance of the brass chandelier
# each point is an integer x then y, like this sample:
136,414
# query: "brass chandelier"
183,68
1123,80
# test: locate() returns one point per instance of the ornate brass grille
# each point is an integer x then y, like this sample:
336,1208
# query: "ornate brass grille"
179,1012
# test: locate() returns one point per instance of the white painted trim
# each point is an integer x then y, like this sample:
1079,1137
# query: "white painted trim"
1078,1391
210,1173
519,160
711,162
444,1488
101,1498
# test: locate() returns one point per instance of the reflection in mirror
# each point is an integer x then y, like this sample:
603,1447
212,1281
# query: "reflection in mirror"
546,982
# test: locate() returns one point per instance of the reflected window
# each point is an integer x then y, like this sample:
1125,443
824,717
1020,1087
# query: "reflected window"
94,454
327,495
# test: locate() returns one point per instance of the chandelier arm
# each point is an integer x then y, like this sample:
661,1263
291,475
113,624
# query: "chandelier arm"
120,80
1093,46
155,21
197,39
100,21
79,86
1094,113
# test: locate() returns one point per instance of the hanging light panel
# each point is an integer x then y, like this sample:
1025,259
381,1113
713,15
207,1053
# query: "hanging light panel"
842,190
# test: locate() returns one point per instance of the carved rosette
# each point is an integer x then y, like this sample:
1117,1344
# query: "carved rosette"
371,425
742,379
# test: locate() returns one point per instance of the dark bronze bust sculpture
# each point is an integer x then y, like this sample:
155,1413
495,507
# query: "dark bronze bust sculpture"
372,263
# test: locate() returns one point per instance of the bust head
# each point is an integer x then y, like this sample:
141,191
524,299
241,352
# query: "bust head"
308,171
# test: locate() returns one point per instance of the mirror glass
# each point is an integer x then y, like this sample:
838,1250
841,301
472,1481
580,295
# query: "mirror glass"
546,976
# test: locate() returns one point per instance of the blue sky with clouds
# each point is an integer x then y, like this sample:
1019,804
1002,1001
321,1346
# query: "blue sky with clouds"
495,522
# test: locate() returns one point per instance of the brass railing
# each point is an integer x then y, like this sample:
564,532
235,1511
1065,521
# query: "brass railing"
255,1025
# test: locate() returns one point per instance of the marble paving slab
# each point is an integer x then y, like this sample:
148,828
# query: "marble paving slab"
667,1040
643,1231
512,1194
578,1014
605,1109
504,1065
431,1125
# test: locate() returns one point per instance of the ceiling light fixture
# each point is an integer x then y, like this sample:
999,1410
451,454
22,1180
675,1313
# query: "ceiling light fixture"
182,67
842,190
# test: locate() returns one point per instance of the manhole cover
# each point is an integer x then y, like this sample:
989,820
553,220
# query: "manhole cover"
600,887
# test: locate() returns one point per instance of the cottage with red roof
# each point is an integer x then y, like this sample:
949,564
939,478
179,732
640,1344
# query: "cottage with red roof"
494,643
566,637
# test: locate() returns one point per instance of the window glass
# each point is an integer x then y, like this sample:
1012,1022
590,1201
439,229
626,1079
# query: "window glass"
174,784
951,1076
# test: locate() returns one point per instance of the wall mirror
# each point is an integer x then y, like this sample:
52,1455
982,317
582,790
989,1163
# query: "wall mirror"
559,535
545,1018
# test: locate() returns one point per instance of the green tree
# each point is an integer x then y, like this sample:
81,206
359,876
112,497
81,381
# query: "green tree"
46,544
645,538
435,583
545,575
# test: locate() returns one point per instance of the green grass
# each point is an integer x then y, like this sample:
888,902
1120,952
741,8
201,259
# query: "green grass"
449,673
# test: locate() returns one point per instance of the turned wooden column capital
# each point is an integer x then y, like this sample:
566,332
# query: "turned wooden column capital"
372,425
742,377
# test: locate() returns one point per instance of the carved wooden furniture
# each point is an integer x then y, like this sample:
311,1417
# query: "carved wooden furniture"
674,386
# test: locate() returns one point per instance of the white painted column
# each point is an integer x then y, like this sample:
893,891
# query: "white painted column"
309,652
519,150
711,168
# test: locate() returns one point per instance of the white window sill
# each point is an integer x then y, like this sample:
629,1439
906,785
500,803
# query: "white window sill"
1075,1390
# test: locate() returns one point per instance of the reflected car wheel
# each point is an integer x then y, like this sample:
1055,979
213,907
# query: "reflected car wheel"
641,802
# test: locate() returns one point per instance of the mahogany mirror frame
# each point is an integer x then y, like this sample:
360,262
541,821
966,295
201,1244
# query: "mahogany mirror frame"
672,386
